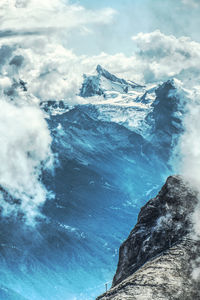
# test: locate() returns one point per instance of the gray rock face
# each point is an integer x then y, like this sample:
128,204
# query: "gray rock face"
155,262
166,277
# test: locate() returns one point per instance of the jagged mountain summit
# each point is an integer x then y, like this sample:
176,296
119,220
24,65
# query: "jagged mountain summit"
156,260
154,111
105,82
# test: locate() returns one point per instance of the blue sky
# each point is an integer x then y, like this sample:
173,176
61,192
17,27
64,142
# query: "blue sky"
133,16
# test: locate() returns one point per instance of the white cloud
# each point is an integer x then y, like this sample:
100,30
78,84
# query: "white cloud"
193,3
159,56
163,56
54,72
47,17
25,146
36,31
189,143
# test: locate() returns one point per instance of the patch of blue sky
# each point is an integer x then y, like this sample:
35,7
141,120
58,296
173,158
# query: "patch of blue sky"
133,16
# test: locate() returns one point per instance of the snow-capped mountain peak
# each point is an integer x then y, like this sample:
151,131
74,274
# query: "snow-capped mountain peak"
104,82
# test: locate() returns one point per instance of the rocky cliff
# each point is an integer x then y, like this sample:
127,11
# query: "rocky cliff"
157,259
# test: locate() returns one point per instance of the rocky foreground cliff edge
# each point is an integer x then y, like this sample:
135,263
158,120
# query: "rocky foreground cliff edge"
157,260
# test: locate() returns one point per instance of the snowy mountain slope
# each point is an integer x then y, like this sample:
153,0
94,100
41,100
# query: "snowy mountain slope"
105,82
156,111
107,164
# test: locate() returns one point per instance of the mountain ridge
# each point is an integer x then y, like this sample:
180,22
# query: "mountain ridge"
105,81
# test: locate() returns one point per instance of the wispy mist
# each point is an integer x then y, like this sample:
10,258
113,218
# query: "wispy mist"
25,149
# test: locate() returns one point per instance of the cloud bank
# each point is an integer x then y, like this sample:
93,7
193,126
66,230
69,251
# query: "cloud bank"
54,71
48,17
165,56
34,48
25,150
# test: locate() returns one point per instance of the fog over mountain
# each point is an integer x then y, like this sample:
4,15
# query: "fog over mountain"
98,108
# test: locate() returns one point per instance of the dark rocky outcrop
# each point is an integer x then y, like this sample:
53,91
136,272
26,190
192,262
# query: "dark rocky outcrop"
16,86
54,107
156,260
166,117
